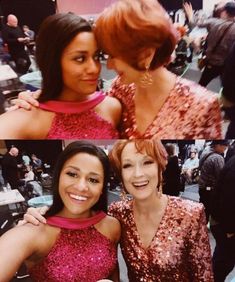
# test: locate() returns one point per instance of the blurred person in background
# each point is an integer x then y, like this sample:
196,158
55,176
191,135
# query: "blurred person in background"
16,40
171,175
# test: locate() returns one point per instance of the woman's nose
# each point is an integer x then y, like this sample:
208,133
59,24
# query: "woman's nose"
138,171
81,185
94,67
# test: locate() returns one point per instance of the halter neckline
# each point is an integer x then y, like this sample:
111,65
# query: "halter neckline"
73,107
75,223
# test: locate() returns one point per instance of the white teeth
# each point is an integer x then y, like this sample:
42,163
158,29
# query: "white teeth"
77,197
140,184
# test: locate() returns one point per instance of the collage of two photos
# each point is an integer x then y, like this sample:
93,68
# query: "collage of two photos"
117,141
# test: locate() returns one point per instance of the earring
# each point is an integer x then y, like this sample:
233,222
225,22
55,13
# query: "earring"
146,78
123,194
159,190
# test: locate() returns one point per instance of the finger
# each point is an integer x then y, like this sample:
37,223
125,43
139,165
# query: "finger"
37,94
21,222
29,97
21,104
38,213
43,210
31,219
24,94
12,108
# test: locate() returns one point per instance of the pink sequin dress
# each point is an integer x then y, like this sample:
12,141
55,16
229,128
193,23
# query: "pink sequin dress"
178,252
80,253
190,112
78,120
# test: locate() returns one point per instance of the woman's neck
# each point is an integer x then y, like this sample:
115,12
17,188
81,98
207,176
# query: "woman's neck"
149,206
163,83
70,96
84,215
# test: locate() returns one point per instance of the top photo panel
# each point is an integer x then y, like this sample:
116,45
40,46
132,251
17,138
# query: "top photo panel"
117,69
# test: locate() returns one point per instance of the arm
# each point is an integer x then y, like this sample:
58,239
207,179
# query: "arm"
16,245
199,253
188,9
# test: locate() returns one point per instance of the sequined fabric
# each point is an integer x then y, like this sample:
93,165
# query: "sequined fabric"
77,256
78,120
87,125
179,251
190,112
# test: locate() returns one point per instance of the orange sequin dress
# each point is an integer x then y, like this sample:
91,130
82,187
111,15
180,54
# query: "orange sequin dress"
189,112
179,250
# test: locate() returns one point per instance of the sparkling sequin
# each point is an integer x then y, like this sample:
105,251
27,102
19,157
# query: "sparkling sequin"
87,125
78,120
179,251
77,256
190,112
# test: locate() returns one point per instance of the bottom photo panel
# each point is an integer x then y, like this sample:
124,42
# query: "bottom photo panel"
117,210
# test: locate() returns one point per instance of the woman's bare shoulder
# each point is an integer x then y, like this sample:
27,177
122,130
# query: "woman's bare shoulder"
111,228
111,110
21,124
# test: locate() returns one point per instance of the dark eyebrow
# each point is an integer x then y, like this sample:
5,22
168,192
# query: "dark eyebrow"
76,168
82,52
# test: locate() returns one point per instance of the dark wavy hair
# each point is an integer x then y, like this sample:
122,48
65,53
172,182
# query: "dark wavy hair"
71,150
55,33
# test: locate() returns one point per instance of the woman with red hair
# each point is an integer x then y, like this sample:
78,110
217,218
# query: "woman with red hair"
139,38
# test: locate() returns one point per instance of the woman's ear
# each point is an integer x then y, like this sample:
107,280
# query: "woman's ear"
146,57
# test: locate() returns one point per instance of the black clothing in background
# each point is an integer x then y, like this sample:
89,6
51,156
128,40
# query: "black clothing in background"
223,211
171,175
228,83
16,49
225,207
10,170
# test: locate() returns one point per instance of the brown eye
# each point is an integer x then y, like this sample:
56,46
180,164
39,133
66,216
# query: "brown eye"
93,180
126,166
71,174
80,59
148,162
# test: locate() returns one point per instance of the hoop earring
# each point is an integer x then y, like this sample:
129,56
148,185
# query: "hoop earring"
146,78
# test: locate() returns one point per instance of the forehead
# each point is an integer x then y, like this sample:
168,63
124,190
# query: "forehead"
130,151
85,162
83,41
12,18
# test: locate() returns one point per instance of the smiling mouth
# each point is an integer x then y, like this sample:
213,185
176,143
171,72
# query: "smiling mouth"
140,184
91,79
78,197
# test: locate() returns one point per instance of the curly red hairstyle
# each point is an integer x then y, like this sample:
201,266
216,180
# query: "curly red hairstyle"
128,27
